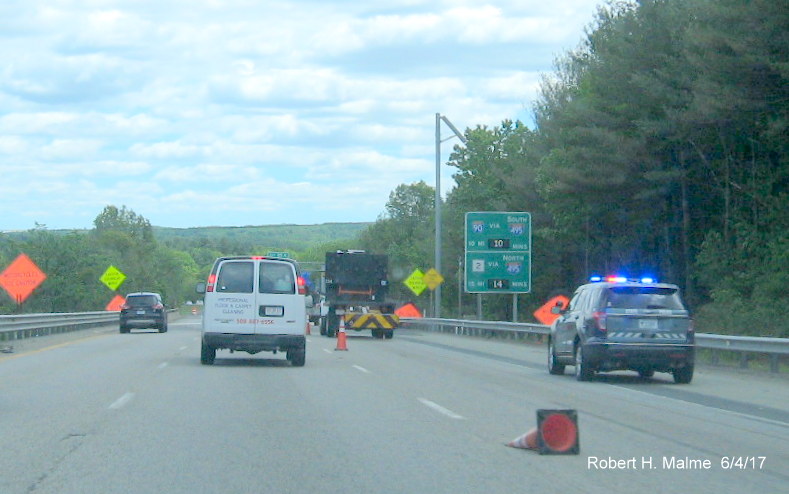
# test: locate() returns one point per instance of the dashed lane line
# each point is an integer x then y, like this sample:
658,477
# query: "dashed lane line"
438,408
122,401
361,369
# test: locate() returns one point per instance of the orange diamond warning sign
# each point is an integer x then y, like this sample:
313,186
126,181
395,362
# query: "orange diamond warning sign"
21,277
544,314
115,304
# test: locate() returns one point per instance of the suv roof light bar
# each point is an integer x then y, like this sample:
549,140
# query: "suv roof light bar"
621,279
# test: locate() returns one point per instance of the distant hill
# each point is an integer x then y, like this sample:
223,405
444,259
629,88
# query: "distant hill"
297,237
285,237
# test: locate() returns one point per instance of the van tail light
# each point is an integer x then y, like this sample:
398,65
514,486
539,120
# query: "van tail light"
211,282
599,319
302,285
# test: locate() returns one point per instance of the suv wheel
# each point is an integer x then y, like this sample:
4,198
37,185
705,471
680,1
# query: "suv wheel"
683,375
582,370
124,329
207,354
554,367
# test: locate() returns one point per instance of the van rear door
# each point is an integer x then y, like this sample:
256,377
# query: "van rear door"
280,309
233,305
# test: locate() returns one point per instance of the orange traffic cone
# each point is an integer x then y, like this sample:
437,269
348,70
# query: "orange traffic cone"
556,434
526,441
341,343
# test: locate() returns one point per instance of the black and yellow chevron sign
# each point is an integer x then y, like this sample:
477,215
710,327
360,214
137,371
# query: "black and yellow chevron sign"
372,321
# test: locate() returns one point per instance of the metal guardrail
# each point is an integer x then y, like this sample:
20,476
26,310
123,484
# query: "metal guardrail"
745,345
17,327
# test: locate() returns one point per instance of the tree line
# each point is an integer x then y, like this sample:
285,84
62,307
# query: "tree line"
659,146
74,262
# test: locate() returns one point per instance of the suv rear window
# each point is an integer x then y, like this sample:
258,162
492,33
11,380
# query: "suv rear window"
141,301
643,297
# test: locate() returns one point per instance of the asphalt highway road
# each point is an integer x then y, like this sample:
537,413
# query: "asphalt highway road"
102,412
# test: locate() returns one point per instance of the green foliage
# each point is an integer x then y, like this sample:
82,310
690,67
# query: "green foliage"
405,234
660,146
74,261
123,221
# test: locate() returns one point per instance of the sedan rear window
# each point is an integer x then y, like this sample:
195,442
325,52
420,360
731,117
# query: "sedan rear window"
643,297
141,301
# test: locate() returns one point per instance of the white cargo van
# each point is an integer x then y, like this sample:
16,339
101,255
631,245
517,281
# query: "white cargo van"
254,304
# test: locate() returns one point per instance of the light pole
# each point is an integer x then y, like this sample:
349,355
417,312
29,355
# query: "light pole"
439,118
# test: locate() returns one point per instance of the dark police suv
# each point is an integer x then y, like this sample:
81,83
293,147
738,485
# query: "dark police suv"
619,324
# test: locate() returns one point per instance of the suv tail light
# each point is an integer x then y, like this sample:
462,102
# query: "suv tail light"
125,306
158,306
599,319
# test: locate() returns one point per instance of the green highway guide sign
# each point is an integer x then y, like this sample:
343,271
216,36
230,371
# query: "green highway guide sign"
498,232
498,252
498,272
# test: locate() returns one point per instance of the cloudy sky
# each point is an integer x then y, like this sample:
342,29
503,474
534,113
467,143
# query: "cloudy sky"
253,112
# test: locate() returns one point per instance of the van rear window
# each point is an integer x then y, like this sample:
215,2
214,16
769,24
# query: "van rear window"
235,277
276,278
643,297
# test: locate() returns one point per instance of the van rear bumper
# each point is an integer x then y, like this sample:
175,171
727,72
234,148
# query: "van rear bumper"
254,343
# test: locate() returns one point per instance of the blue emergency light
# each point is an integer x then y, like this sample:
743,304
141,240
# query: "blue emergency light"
621,279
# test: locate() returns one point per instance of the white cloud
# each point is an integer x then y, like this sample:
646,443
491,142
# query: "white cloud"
13,145
167,150
309,111
68,149
207,173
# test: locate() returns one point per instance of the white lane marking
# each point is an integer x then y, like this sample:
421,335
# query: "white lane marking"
163,365
684,403
182,348
360,368
122,401
327,351
440,409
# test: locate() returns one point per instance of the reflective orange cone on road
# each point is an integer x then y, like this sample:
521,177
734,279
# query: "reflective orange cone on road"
341,343
556,434
526,441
